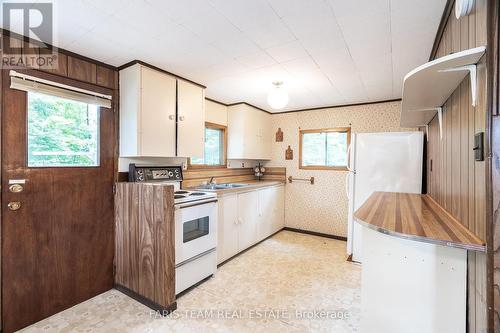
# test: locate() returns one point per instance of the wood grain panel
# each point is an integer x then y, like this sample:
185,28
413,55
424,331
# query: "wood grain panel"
454,180
195,177
145,237
82,70
416,217
105,77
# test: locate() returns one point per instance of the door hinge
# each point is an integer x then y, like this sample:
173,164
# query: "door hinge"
114,189
114,270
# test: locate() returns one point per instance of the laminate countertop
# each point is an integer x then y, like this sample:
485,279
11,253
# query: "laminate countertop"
416,217
251,185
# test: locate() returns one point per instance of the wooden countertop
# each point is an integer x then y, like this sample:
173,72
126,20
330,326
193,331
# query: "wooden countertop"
416,217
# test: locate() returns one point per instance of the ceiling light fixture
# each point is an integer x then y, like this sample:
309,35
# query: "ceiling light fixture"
277,98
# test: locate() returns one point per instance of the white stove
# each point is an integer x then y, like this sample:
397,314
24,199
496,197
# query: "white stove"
182,196
195,225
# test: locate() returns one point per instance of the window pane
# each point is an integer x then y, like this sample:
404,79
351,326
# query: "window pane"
62,132
214,147
324,149
313,149
336,149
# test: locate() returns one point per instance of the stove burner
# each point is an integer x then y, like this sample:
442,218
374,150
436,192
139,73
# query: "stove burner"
197,193
178,196
181,192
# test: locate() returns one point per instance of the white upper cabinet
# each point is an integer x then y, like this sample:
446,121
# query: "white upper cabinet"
147,112
249,133
152,103
191,119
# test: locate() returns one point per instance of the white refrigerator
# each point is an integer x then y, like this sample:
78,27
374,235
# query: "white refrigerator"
389,162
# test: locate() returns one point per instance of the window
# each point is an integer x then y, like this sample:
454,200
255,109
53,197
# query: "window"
324,149
215,148
62,132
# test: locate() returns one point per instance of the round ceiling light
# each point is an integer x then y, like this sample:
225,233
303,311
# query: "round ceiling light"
278,96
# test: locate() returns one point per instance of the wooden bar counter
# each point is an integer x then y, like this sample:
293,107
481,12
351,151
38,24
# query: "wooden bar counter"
416,217
414,269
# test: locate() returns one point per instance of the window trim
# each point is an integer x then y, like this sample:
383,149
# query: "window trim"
224,149
324,130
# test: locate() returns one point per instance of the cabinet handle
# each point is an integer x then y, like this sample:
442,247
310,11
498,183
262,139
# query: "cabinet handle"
171,117
181,118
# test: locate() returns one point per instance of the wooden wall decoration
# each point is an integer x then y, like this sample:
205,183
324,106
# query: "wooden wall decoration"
279,135
289,153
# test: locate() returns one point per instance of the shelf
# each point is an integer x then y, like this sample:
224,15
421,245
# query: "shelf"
416,217
427,87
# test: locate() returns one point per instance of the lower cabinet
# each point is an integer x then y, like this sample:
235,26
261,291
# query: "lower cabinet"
247,218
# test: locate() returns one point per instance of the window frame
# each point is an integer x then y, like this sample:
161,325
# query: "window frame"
324,130
224,149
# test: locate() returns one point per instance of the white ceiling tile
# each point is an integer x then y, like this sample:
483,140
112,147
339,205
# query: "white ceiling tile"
326,51
269,34
235,44
287,52
244,13
256,60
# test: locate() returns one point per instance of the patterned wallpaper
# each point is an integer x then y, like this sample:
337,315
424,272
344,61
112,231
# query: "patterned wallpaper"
322,207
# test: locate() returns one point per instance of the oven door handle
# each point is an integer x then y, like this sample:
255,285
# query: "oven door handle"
197,203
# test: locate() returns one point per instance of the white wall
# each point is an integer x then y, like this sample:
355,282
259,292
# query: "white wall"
322,207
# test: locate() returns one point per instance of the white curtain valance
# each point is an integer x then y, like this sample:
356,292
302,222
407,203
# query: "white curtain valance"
34,84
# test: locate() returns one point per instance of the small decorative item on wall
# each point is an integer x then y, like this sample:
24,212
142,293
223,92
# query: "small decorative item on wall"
289,154
279,135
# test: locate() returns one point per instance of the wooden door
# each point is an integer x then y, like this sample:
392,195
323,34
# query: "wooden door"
157,124
248,213
191,119
57,249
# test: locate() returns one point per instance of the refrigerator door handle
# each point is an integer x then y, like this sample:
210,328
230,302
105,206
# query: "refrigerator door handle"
347,178
349,158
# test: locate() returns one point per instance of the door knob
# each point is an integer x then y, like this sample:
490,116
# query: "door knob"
14,205
171,117
181,118
16,188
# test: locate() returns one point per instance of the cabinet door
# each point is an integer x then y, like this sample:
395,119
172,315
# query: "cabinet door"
266,212
266,137
227,237
248,216
279,208
191,119
157,114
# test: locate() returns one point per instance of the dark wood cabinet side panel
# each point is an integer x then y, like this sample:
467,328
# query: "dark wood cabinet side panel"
146,245
164,251
145,250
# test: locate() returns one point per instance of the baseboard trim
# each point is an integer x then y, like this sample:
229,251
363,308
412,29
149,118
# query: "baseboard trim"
314,233
248,248
147,302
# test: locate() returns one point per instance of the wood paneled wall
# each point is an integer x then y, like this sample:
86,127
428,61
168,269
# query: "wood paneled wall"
454,179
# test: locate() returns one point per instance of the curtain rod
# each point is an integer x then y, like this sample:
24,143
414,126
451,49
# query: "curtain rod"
59,85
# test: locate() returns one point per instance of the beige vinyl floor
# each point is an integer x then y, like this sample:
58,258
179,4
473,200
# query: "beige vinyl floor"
289,283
